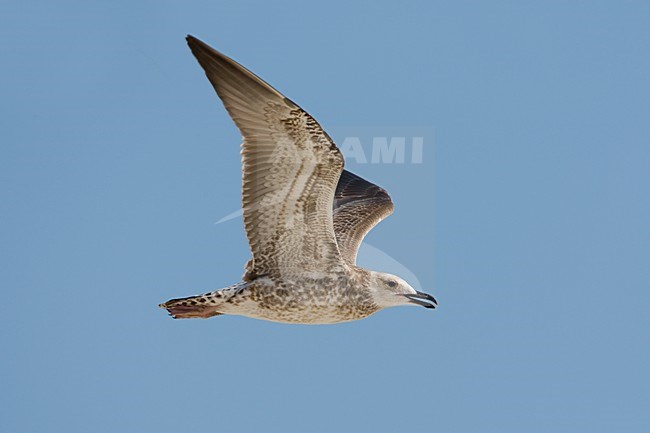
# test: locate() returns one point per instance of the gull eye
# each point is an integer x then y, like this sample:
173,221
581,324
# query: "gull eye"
392,283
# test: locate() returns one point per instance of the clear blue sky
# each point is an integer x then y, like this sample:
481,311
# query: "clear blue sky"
528,217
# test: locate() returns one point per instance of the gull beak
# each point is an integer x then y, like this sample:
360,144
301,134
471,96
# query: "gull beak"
421,298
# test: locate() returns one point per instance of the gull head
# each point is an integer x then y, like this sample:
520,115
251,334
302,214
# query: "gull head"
390,291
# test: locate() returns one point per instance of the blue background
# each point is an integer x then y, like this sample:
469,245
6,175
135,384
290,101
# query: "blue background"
116,159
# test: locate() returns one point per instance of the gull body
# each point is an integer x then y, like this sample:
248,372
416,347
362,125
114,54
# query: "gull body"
304,215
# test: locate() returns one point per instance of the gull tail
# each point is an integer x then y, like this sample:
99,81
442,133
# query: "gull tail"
192,307
202,306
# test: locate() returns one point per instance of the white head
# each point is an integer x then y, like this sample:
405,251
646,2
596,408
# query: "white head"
390,291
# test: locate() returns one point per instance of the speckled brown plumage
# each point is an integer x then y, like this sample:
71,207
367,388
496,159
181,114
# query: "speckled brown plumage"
304,216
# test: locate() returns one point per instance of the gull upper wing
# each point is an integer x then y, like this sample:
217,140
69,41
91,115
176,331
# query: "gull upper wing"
359,205
290,171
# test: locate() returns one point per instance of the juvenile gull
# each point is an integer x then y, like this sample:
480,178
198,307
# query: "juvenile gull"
304,215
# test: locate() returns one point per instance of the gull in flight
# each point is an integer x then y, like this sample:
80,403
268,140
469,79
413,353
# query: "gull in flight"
304,215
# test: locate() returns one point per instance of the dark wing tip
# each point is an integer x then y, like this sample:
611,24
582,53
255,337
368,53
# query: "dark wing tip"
197,45
192,41
352,187
230,79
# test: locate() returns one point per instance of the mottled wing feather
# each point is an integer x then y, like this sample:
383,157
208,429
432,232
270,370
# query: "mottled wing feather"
359,205
290,171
